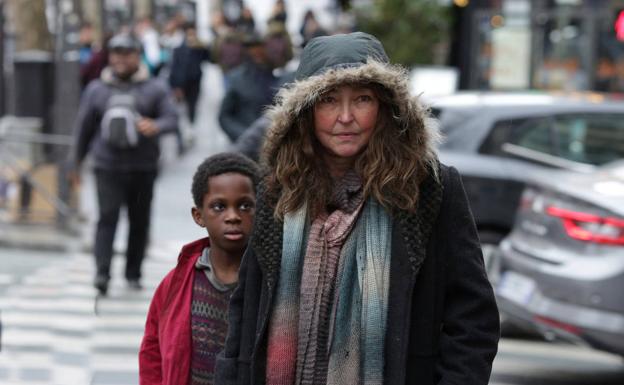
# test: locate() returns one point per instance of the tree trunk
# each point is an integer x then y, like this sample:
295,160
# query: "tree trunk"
30,25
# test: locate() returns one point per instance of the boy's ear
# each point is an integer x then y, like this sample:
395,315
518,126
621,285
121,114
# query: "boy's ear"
197,217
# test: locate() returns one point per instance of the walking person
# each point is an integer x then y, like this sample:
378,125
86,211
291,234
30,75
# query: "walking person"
120,118
187,319
252,86
186,69
364,265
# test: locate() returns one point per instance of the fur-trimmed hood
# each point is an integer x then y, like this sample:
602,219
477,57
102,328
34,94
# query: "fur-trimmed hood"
330,61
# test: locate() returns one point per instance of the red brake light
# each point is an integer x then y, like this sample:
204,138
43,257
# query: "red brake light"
590,227
558,324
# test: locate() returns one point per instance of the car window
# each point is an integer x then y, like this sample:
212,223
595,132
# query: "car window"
590,138
531,133
593,139
535,134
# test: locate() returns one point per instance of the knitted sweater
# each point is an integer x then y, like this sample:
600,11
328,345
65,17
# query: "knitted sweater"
208,328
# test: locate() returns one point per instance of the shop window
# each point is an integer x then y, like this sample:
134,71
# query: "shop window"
564,65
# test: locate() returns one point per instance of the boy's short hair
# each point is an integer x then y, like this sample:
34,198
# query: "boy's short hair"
218,164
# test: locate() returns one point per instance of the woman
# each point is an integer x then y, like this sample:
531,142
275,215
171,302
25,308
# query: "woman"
364,266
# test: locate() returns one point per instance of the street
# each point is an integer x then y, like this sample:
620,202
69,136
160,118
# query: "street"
54,331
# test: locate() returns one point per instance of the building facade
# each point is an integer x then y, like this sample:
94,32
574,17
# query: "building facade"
566,45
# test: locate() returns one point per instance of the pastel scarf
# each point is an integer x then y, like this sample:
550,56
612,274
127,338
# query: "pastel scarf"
329,320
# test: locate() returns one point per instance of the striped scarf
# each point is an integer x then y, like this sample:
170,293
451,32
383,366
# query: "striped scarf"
328,324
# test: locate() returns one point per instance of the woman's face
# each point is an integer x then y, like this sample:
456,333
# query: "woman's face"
344,120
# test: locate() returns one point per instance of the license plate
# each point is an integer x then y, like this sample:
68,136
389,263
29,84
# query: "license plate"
516,287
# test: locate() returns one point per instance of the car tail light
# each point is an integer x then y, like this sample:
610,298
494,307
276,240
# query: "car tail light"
558,324
590,227
580,221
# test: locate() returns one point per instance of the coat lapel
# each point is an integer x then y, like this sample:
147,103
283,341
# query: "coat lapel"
415,228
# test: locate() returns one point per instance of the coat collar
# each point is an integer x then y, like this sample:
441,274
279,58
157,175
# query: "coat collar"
415,229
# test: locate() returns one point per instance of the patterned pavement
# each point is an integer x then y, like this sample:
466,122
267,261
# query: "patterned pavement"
52,334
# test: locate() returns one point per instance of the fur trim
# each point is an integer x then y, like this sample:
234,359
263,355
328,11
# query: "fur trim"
291,100
142,74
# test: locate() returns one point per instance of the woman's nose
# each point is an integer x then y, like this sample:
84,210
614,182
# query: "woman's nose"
345,115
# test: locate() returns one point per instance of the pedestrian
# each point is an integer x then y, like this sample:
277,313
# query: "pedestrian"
187,319
310,28
278,45
186,69
150,40
278,12
227,49
98,60
252,86
119,121
246,23
364,266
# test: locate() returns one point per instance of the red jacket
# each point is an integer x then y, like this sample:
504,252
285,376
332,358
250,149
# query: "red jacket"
165,355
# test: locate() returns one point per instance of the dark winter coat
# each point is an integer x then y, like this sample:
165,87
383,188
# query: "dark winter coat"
154,101
250,91
442,326
186,65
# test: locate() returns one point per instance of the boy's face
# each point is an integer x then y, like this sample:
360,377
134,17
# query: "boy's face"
227,212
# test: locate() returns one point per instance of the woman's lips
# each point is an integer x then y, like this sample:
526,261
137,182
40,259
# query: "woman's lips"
346,136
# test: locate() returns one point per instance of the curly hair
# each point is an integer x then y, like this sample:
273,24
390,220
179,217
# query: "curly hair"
391,166
218,164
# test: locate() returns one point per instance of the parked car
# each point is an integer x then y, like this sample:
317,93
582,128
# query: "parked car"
498,140
561,270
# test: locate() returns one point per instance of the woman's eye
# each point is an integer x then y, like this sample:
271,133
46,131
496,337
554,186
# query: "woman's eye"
364,98
327,100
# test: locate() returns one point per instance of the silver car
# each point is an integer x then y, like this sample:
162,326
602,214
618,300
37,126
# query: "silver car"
497,141
561,269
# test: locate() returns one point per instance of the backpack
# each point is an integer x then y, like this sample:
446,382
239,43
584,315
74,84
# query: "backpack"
118,125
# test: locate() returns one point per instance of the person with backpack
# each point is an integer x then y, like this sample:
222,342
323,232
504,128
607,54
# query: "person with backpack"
119,121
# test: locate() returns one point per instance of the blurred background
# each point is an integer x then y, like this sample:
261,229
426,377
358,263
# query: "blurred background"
529,95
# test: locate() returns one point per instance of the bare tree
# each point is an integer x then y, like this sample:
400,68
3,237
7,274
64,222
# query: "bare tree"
29,25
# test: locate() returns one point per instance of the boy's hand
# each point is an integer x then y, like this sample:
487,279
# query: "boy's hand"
147,127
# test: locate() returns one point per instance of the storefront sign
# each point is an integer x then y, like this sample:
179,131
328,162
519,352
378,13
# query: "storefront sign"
511,55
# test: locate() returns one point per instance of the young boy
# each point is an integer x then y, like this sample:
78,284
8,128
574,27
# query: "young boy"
187,320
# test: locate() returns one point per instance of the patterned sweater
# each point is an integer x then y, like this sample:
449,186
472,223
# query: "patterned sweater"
208,321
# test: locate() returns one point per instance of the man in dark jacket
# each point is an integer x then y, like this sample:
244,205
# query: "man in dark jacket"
252,87
186,72
119,121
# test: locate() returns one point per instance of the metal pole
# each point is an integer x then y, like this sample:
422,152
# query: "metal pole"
103,17
66,94
2,80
